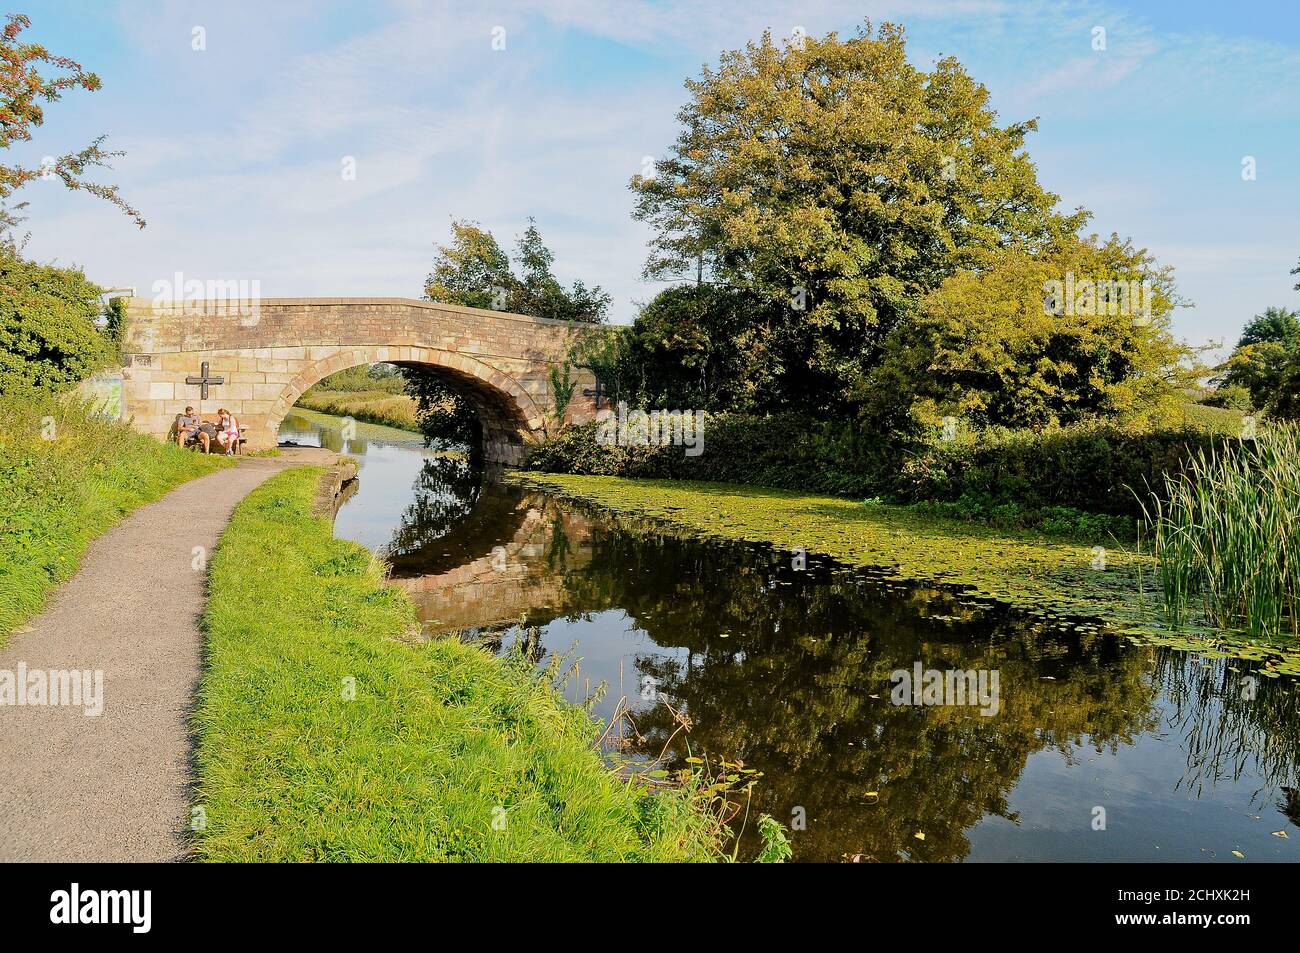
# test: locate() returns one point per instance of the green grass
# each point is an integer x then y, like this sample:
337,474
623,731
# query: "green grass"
365,430
58,494
440,740
375,406
1220,420
363,377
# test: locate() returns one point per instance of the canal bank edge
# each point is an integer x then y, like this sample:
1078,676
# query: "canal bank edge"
321,734
337,484
1049,579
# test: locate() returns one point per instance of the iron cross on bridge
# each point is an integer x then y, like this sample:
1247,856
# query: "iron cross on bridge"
204,379
598,393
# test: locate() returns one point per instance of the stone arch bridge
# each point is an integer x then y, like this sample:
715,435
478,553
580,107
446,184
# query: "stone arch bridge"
266,354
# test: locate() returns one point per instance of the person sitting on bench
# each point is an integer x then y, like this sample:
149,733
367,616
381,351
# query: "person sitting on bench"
227,431
189,430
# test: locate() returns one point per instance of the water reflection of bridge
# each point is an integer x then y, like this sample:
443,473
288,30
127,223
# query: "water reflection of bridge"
523,548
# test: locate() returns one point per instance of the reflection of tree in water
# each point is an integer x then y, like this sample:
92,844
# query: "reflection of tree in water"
1235,720
558,546
446,490
790,672
793,679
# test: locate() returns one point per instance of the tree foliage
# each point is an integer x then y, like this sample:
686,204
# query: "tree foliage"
1284,401
993,348
696,346
1268,342
48,338
473,271
1281,325
837,184
29,76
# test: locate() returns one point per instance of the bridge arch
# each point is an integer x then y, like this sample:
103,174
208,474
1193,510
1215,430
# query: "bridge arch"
510,416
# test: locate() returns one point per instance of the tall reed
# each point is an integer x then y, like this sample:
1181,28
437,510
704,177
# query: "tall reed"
1227,535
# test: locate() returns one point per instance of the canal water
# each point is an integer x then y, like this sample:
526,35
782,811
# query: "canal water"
1096,749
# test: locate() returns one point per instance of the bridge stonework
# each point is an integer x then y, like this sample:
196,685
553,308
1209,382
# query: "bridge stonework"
269,355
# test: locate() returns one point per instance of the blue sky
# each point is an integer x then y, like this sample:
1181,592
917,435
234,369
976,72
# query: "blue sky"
235,152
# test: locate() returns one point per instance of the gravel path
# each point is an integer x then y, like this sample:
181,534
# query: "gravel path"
115,787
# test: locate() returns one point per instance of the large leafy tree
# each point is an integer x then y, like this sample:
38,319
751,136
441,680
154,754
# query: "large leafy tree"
472,270
48,336
1281,325
993,347
537,291
30,76
1284,401
836,183
696,346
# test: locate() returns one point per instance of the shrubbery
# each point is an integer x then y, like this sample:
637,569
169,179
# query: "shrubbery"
1052,520
48,338
1047,476
1097,468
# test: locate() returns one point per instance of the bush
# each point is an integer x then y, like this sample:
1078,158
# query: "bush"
48,338
1096,467
770,451
1048,476
1052,520
1230,397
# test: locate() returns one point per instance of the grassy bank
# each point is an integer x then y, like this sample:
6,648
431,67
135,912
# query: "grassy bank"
1045,576
442,752
65,479
376,407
